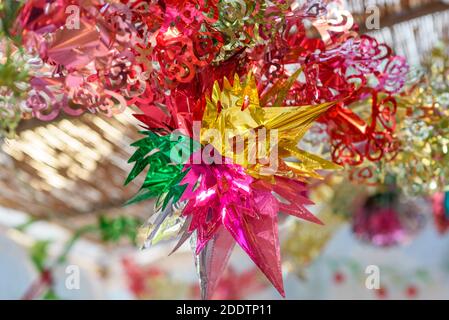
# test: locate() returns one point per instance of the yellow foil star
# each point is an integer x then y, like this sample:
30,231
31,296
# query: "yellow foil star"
264,140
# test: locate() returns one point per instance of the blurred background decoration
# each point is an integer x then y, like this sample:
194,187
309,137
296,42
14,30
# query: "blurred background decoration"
62,196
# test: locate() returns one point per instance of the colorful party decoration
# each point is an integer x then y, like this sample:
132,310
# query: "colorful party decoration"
228,93
418,142
271,96
388,219
227,201
420,165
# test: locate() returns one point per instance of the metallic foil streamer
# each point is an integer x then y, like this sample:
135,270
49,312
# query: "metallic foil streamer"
420,166
212,261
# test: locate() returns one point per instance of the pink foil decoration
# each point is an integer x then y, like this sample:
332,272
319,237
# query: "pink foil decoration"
82,66
223,195
388,219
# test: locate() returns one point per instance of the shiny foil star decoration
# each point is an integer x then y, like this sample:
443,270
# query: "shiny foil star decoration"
228,198
222,109
236,114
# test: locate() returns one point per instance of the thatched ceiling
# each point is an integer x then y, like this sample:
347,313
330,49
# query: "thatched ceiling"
69,168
